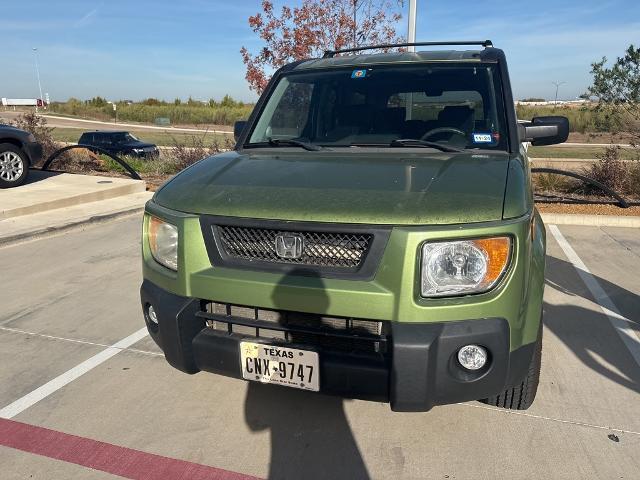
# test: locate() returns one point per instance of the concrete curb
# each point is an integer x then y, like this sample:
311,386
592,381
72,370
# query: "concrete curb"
47,231
591,220
47,191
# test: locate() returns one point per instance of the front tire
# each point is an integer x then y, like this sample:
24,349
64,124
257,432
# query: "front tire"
522,395
14,166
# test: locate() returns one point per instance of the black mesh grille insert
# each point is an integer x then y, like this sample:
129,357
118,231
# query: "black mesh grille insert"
321,249
333,333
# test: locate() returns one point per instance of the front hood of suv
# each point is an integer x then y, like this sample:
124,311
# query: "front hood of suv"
408,187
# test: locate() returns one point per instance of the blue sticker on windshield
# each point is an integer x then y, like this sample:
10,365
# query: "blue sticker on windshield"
358,74
482,138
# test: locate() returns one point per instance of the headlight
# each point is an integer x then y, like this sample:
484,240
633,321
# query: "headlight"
163,242
31,138
138,150
463,267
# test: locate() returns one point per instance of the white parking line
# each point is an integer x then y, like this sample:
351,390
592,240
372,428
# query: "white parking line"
619,322
69,376
75,340
549,419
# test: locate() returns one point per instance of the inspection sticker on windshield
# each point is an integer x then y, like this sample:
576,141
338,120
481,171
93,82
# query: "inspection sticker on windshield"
358,74
482,138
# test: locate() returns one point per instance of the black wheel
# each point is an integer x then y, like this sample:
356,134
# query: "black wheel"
521,396
14,166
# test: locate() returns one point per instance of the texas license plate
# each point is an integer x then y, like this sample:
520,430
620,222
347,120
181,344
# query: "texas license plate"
281,365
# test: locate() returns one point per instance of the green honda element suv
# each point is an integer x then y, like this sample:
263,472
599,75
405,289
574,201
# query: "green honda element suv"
372,235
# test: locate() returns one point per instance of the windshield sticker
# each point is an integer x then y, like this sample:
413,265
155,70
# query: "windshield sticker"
358,74
482,138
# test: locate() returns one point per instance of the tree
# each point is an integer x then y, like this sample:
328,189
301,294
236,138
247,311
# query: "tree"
617,89
315,26
96,102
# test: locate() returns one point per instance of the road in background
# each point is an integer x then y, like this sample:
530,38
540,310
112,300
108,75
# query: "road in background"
68,122
80,295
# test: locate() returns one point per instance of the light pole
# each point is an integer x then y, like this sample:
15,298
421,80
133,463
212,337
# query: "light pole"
411,31
557,84
35,53
411,38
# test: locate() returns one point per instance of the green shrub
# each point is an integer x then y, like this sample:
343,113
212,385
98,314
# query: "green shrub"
225,112
37,126
608,170
581,119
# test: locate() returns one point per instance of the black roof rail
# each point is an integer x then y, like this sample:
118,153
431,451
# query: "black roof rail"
331,53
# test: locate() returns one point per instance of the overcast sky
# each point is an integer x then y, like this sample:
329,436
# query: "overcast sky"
149,48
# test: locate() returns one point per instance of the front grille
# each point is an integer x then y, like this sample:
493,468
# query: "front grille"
321,249
331,333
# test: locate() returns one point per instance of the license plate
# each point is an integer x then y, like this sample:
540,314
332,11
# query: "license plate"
280,365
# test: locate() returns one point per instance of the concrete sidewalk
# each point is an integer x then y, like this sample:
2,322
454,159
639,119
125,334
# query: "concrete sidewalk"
52,201
51,190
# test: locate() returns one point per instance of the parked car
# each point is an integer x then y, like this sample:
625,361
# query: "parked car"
372,235
118,143
19,150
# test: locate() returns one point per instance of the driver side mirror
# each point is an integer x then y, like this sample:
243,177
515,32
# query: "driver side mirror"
544,130
238,127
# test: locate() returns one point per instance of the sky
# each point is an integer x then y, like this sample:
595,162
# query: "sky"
134,49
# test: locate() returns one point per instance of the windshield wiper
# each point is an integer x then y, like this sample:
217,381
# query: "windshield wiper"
414,142
297,143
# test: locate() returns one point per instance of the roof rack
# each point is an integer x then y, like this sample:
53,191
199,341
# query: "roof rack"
331,53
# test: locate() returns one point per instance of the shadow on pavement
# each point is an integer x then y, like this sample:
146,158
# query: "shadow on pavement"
587,332
37,175
310,434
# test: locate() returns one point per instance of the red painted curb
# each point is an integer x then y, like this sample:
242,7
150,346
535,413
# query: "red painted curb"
122,461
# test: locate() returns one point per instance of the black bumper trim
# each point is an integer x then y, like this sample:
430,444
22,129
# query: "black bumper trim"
420,370
353,376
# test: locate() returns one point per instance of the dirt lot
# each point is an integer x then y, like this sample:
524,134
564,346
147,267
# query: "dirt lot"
588,209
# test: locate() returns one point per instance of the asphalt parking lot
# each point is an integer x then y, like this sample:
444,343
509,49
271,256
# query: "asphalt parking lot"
67,299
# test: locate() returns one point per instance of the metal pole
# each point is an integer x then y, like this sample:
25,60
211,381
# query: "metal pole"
557,84
411,38
411,35
35,51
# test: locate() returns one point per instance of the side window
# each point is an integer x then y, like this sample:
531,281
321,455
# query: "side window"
290,118
287,112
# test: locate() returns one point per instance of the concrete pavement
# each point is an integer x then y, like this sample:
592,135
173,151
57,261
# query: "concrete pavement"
52,201
82,296
52,190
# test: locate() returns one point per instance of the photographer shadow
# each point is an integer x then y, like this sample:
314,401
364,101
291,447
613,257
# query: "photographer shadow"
310,434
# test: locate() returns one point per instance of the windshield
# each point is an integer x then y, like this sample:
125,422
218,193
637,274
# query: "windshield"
455,105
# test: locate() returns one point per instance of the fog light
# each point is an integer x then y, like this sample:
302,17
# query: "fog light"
472,357
151,314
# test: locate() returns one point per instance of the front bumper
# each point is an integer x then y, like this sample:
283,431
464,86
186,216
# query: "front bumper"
419,371
144,154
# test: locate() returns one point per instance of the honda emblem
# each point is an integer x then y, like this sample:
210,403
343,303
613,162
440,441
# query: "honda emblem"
289,245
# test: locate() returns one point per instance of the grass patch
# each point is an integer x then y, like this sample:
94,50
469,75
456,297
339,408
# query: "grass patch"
182,114
579,152
581,118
